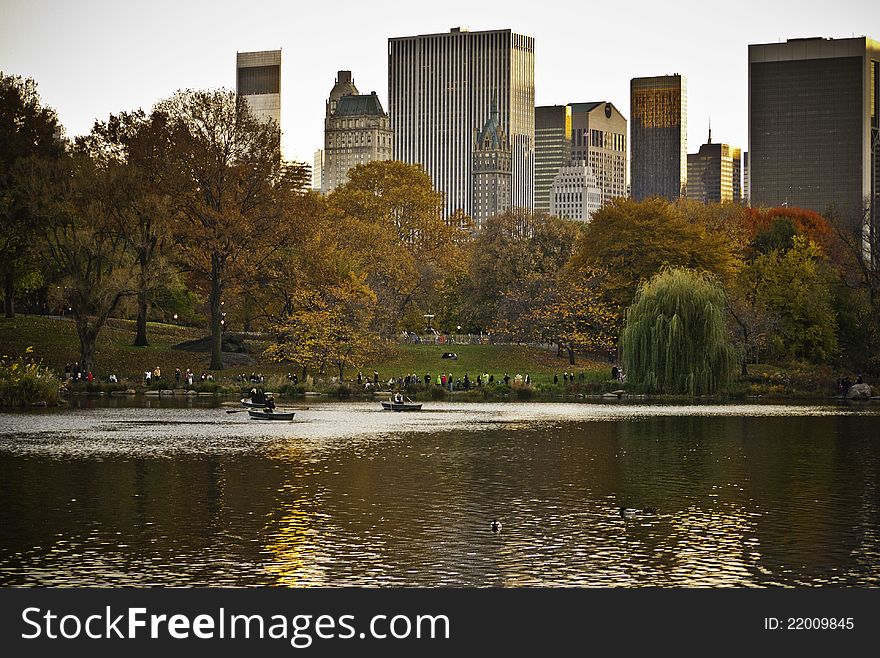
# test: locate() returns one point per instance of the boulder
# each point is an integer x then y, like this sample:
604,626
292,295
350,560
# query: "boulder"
859,392
166,391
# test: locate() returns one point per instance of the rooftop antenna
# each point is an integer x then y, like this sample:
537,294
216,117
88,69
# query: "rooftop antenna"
710,129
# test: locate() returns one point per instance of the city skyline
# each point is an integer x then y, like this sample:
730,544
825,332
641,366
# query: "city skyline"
89,63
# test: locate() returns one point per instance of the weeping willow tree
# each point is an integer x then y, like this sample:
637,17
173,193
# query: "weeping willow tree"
674,340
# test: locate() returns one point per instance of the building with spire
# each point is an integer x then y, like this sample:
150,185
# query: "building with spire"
356,131
714,174
439,87
492,170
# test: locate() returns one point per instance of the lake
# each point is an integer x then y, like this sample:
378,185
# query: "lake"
115,492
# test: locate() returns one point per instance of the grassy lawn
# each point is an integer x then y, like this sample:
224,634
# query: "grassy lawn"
55,343
495,360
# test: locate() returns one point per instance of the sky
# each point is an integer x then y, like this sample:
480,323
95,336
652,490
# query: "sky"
91,58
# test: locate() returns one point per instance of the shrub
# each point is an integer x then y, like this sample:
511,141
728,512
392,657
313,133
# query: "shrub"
25,382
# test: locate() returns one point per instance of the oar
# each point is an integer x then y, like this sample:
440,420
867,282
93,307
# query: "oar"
235,411
238,411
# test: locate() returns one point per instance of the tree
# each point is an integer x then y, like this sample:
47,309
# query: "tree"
226,168
675,339
389,216
567,309
27,129
327,325
793,285
634,240
138,146
515,252
83,243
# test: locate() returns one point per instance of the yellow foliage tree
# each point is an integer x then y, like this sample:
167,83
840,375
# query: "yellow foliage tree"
327,326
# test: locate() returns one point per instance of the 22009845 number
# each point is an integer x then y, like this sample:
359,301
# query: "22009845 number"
820,623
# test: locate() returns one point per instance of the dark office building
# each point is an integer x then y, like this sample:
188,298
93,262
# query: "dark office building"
813,125
658,135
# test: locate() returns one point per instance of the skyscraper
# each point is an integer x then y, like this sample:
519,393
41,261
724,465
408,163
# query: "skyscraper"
813,127
598,138
492,171
356,131
318,170
552,149
439,87
715,173
258,80
658,134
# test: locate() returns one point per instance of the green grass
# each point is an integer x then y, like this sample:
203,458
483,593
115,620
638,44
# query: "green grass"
55,343
539,364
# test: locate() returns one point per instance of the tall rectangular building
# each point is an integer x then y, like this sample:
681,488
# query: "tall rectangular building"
598,138
813,127
258,79
658,135
441,88
552,149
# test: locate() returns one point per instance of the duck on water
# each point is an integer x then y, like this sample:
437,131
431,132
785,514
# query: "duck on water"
631,512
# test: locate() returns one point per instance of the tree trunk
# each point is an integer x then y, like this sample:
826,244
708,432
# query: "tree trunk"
9,291
88,337
216,328
140,339
570,354
745,369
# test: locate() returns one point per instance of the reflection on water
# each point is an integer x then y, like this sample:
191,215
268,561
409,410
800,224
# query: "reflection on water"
349,495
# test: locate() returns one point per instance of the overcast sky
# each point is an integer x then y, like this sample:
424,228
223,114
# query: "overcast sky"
91,58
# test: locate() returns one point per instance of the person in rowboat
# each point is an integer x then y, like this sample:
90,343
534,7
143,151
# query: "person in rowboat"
398,398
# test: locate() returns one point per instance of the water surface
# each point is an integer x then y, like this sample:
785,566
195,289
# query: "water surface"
346,494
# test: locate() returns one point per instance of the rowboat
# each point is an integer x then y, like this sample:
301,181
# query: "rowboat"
270,415
402,406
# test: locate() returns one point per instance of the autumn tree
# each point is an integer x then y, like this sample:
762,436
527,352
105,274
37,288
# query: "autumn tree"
566,309
137,146
514,254
225,166
27,129
390,222
83,244
634,240
327,325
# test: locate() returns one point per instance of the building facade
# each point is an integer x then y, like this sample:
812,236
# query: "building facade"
439,87
552,149
598,137
492,171
746,168
258,80
356,131
575,193
318,170
714,173
813,128
658,135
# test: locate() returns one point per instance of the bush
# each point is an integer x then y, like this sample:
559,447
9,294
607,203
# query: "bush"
23,383
291,390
